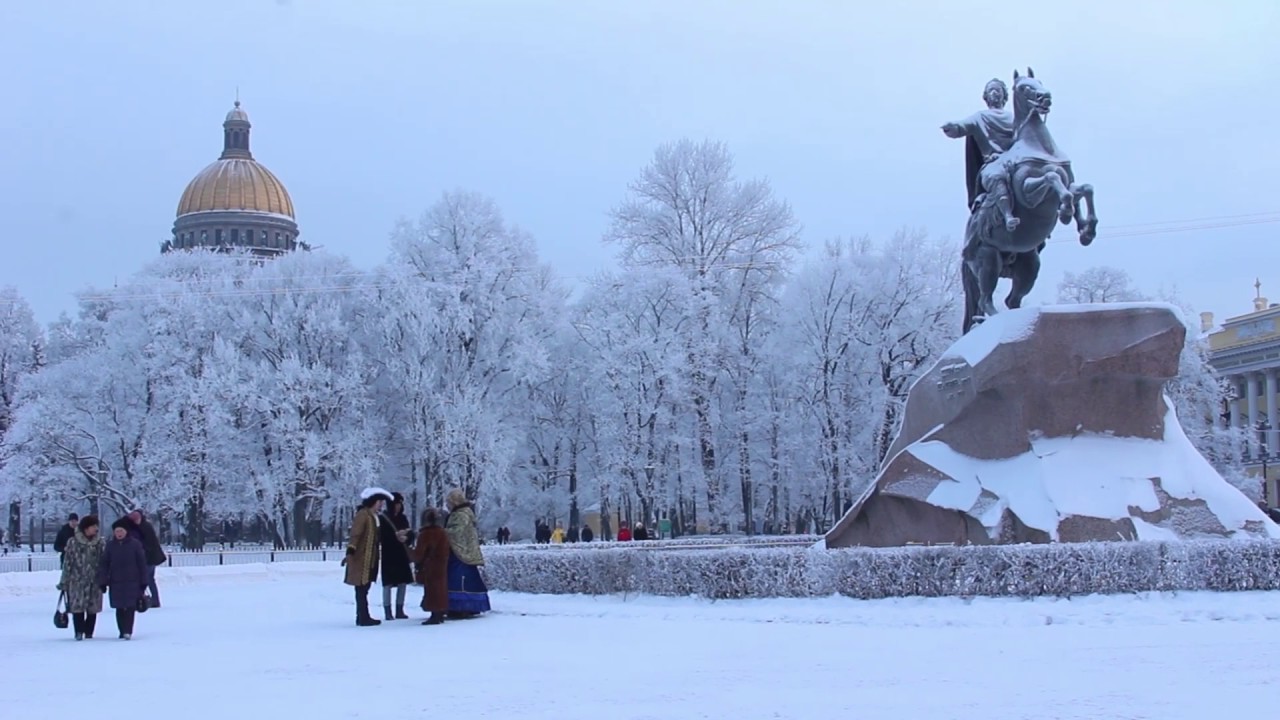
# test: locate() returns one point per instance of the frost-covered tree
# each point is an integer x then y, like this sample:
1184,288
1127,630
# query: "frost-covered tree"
309,401
867,321
732,241
1099,284
632,331
482,312
21,354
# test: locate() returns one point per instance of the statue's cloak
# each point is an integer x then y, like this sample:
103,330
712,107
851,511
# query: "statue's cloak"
987,132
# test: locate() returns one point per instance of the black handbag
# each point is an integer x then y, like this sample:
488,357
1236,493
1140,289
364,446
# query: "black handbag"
60,617
144,603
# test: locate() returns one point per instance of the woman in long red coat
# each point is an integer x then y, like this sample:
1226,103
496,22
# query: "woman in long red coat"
431,556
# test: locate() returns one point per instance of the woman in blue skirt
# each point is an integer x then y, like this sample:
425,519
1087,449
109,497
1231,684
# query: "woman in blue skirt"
468,595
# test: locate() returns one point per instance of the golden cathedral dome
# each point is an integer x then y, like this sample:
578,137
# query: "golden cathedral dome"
236,184
235,202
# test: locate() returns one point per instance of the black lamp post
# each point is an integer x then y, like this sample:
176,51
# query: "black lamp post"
1264,431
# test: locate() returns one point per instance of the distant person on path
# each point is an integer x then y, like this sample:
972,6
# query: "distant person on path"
468,595
573,534
81,559
362,556
587,534
123,573
641,533
431,555
664,527
624,533
557,535
393,538
145,533
65,533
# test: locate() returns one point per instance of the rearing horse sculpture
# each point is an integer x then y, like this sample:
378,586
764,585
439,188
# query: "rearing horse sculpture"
1039,180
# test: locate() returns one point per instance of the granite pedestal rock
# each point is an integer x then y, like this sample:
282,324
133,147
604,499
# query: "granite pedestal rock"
1050,424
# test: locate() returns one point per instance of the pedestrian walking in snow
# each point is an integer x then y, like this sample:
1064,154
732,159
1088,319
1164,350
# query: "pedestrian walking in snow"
122,573
431,556
394,541
468,595
65,533
142,529
363,551
82,555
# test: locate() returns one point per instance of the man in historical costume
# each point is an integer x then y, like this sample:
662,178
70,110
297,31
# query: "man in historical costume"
363,551
988,133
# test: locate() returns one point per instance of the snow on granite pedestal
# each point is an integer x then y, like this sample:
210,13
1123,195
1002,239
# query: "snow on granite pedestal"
1050,424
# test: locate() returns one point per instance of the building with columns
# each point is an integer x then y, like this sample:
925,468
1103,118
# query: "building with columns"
235,202
1245,350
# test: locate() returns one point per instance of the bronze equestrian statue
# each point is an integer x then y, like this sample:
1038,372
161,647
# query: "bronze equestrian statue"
1020,187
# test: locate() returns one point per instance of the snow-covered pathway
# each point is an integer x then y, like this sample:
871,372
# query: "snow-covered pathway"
255,642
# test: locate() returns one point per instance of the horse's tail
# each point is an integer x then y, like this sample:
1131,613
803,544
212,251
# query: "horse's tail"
970,284
968,280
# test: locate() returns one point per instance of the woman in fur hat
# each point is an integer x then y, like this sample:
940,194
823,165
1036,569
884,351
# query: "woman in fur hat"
468,595
431,554
362,556
393,538
81,556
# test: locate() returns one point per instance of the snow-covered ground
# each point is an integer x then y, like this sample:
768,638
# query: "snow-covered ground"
258,641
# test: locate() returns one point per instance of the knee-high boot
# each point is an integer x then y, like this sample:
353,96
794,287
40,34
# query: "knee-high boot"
363,619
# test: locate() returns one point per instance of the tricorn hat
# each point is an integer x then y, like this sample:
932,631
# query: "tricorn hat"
370,493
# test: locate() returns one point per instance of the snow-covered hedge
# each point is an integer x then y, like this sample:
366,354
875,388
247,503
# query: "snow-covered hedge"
688,541
1008,570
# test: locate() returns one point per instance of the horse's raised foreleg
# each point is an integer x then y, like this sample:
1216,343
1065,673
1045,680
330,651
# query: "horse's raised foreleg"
1087,224
1023,272
1057,181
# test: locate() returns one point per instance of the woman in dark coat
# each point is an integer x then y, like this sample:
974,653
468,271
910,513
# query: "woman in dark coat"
394,539
123,572
431,554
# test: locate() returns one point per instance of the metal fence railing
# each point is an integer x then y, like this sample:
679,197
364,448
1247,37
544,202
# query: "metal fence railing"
37,562
49,561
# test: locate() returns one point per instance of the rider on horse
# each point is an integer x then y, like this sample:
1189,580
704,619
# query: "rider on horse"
989,133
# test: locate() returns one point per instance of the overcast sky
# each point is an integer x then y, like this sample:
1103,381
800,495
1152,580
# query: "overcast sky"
368,110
